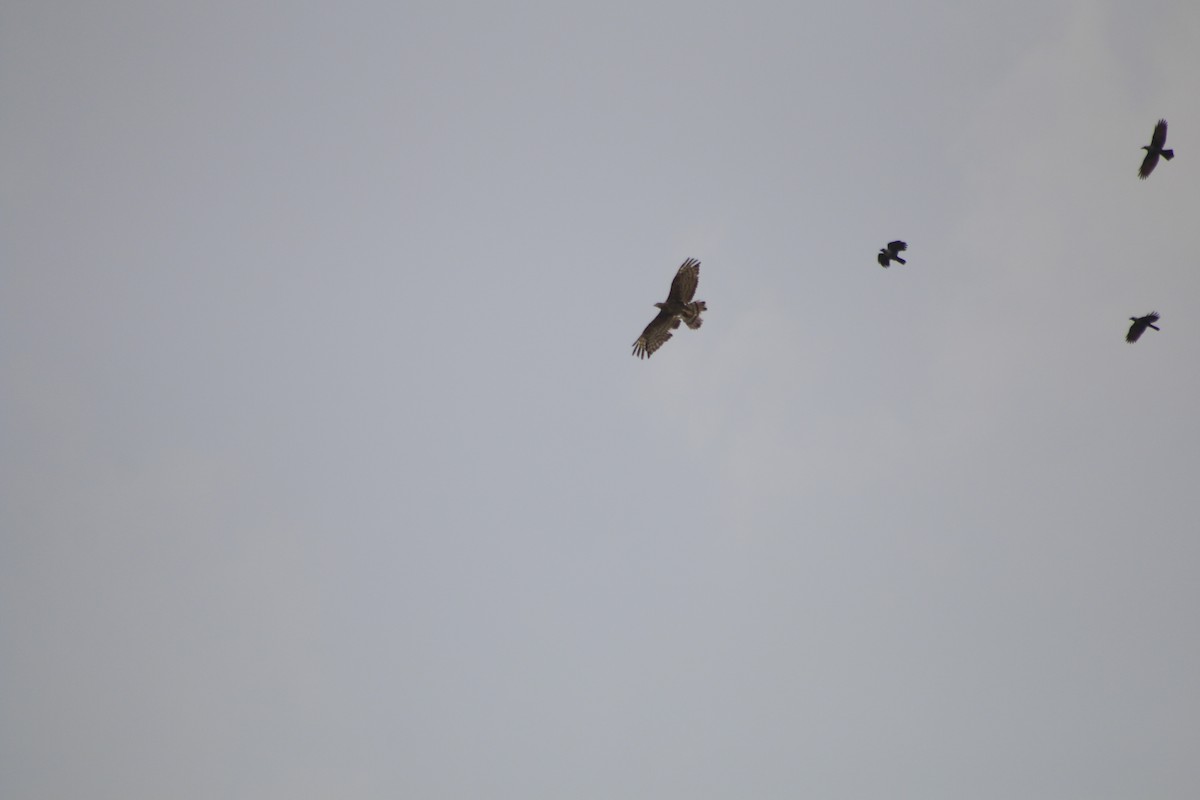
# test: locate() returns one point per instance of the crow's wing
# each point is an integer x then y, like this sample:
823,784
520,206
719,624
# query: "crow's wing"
1160,135
683,288
1148,164
883,258
1139,326
897,246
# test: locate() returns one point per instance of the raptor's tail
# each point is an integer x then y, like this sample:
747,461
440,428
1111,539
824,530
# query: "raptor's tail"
899,260
691,313
1152,325
1168,154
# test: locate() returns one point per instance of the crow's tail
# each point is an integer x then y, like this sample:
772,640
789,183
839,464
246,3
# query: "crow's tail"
899,260
1168,154
1152,325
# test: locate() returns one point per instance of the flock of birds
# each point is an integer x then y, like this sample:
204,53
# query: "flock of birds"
681,307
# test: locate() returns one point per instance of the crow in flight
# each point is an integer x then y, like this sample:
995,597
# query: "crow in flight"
679,305
1139,326
892,253
1155,149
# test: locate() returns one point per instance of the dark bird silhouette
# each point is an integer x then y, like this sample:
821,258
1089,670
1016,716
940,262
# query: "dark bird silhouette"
891,253
1155,149
679,306
1139,326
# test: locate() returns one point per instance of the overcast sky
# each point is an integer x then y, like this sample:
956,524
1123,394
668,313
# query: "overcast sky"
326,469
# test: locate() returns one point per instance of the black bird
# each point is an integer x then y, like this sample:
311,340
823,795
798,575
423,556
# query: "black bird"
1139,326
891,253
1155,149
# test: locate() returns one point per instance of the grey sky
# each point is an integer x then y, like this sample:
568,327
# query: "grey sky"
326,471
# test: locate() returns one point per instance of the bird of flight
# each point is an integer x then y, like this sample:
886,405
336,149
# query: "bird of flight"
1154,150
1139,326
892,253
679,306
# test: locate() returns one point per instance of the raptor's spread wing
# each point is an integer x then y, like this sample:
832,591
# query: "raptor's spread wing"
683,288
656,334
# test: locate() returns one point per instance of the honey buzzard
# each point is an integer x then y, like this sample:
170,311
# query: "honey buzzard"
679,305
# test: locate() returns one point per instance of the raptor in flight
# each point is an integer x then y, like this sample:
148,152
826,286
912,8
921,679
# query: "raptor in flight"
679,306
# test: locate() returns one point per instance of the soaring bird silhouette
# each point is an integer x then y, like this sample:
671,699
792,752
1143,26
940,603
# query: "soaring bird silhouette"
1139,326
1155,149
679,305
891,253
